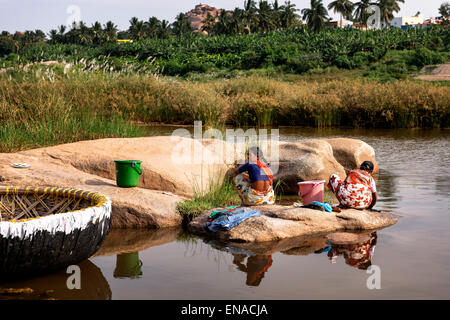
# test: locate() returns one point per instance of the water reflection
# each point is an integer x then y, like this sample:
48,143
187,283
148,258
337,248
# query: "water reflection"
358,255
94,286
255,259
255,268
128,265
127,241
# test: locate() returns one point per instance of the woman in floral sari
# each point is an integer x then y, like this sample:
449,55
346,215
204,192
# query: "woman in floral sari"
255,186
358,191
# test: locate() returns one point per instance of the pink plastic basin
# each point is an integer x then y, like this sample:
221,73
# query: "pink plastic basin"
311,191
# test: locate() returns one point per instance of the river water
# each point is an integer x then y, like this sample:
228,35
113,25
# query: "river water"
412,257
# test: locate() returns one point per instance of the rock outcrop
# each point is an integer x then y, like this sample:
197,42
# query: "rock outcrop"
172,164
279,222
197,15
350,153
303,161
173,169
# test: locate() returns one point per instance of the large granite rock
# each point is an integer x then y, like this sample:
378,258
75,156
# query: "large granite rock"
173,164
279,222
303,161
131,207
350,153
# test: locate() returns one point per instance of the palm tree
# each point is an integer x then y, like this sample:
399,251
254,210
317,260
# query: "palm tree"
236,24
387,9
164,29
223,25
288,15
152,25
97,33
344,7
182,25
250,16
136,29
265,16
209,23
54,37
276,14
110,31
316,15
361,14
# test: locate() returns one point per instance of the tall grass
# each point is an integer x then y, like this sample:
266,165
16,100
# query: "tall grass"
80,105
220,193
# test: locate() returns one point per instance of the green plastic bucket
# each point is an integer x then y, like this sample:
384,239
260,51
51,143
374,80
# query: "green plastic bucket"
128,265
128,172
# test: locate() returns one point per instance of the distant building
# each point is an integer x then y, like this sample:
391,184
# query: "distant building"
405,22
337,24
432,21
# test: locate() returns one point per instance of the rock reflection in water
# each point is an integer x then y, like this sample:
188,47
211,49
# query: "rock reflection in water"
94,286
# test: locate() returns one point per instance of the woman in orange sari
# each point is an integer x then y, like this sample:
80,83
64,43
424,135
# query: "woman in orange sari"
358,191
255,186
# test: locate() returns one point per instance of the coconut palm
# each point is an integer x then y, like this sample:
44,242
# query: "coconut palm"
344,7
288,15
152,26
250,16
137,29
387,9
315,16
265,14
361,14
182,25
209,23
236,25
54,37
223,25
164,29
110,30
97,33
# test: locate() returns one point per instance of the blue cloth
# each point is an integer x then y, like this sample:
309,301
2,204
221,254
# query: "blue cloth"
325,205
232,219
254,172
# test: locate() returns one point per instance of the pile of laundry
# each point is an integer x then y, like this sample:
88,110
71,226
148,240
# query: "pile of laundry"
228,218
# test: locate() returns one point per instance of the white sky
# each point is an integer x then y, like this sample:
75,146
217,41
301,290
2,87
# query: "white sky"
48,14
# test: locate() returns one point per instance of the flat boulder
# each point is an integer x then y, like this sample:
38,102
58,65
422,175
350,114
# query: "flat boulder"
350,153
305,161
280,222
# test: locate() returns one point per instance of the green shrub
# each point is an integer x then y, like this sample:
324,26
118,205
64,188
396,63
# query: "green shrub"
7,46
423,56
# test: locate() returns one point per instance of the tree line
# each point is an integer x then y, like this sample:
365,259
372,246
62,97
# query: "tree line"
254,17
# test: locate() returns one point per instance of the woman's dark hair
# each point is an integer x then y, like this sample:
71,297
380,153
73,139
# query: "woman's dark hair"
257,152
367,166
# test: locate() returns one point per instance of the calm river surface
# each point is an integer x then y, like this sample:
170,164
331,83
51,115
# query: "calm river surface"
413,255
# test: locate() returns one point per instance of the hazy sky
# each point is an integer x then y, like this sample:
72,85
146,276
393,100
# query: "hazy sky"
48,14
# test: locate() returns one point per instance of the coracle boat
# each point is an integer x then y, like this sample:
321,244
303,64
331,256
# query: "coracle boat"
45,229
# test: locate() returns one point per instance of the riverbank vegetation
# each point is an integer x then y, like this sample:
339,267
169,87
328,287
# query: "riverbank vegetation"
47,105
